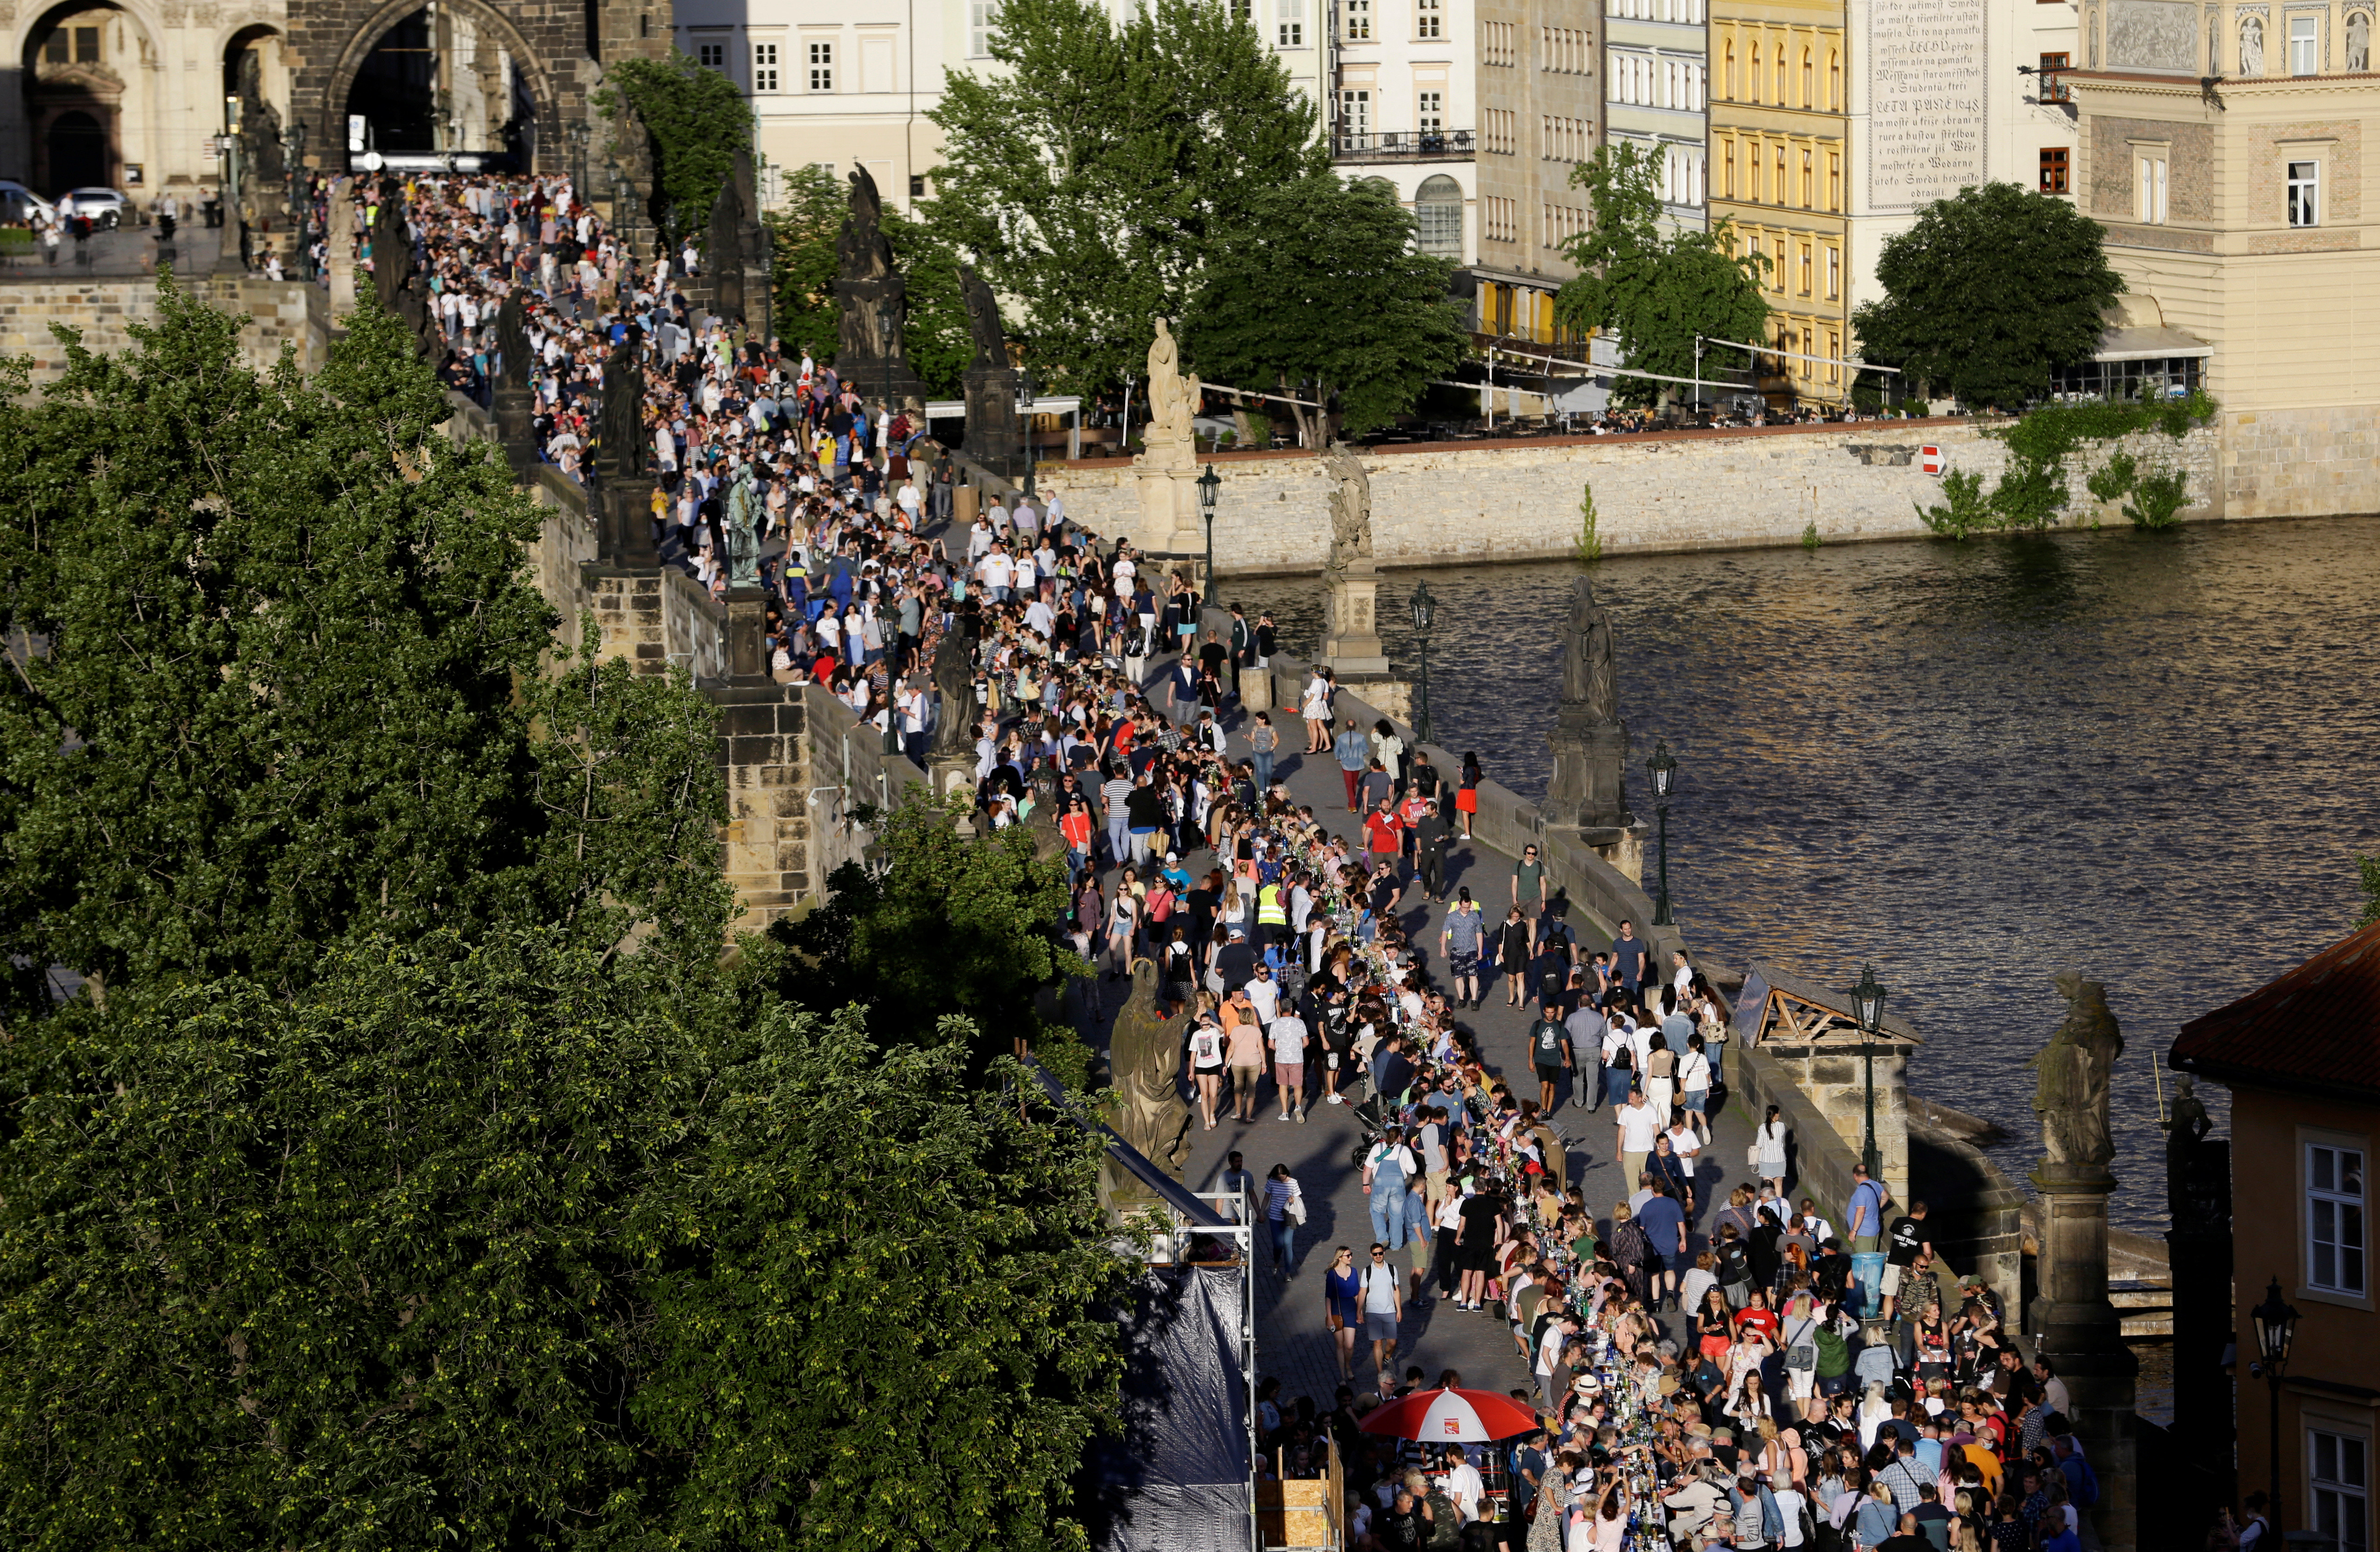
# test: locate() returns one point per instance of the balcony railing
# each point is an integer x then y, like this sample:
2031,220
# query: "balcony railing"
1405,145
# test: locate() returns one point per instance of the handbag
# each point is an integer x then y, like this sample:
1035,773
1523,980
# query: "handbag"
1752,1154
1296,1202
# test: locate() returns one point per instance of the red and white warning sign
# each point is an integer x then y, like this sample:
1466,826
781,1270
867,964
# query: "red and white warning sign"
1931,460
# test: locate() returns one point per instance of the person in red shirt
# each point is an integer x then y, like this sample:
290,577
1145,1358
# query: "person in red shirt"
1383,836
1757,1316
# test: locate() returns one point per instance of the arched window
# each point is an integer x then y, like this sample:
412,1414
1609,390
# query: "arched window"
1779,98
1809,82
1755,71
1438,216
1834,81
1727,77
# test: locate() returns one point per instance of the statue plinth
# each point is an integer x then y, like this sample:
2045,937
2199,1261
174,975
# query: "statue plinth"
888,378
624,507
747,646
1588,790
516,410
995,435
1351,636
1171,521
948,774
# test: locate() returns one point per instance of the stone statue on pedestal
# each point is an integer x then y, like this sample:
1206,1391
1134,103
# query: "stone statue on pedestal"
1588,791
1351,510
743,529
1587,681
1145,1056
2076,1068
1174,399
622,444
512,343
955,682
983,323
866,279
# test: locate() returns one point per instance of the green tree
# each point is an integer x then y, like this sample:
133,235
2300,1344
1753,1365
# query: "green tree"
694,120
1653,293
1091,177
952,927
935,332
1988,294
520,1247
1317,291
803,230
287,680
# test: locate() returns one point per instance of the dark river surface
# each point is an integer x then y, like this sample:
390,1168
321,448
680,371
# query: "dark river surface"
2149,757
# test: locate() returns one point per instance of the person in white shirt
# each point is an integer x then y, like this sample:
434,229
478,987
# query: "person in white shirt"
994,572
1638,1127
1383,1296
1549,1351
1791,1506
1466,1487
1287,1034
1265,993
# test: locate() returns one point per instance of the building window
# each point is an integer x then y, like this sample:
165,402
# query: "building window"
1429,18
2148,189
1834,81
1430,112
2334,1175
1291,19
2304,48
1359,22
1834,275
1780,188
1809,188
2053,169
821,57
1809,82
1834,353
1805,269
2053,83
1779,98
1727,73
2336,1497
1755,72
764,66
1438,216
980,28
1834,180
710,56
1356,118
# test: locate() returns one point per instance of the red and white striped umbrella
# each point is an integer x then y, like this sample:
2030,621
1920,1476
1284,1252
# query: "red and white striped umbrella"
1451,1417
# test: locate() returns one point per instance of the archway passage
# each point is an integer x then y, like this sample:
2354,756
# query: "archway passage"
77,153
395,93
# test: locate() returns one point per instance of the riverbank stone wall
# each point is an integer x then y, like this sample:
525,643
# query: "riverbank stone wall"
1461,502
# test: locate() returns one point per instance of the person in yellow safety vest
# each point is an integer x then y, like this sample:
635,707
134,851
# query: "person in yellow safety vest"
1272,916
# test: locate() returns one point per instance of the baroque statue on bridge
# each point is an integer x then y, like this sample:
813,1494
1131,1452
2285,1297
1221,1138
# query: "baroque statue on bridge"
1586,656
1351,510
2077,1070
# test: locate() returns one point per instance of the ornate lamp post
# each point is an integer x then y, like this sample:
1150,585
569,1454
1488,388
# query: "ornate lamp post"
1424,617
1208,483
1663,768
1867,1002
294,143
1025,389
2277,1322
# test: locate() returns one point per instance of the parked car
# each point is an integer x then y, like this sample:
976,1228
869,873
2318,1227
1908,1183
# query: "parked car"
18,203
107,208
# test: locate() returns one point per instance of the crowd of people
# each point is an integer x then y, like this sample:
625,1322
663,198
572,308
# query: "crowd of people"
1771,1389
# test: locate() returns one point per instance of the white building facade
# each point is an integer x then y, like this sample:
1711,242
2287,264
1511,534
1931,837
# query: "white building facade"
1656,83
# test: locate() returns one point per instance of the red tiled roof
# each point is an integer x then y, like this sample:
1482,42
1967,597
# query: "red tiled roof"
2317,1026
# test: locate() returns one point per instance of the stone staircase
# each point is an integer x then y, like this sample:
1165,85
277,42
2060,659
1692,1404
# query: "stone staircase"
2146,1305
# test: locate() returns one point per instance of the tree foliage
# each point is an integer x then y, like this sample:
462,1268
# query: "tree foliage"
2032,489
1092,177
1317,291
285,628
952,927
1988,294
696,121
1656,293
935,333
802,229
520,1247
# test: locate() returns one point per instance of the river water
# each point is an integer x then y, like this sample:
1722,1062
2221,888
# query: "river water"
2149,757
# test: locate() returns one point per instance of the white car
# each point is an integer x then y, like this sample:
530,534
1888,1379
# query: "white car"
20,204
105,207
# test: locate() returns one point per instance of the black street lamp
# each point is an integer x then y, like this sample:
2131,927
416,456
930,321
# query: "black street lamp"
1424,617
294,143
884,340
2277,1322
1664,772
577,131
1867,1002
1208,483
1025,388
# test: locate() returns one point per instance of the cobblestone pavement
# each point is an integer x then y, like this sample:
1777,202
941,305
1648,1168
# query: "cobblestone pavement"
1293,1341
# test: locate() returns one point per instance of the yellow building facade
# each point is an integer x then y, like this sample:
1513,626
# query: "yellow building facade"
1780,174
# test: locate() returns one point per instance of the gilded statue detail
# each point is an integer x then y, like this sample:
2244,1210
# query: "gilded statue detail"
2077,1070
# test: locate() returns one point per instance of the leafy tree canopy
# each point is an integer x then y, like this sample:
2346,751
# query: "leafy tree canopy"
518,1246
1093,176
1316,289
697,121
803,227
292,680
1653,293
1988,294
952,927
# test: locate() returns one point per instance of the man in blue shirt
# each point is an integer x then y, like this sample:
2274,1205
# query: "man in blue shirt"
1355,752
1868,1197
1628,958
1664,1223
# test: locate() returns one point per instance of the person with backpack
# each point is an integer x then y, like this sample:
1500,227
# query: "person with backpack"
1752,1509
